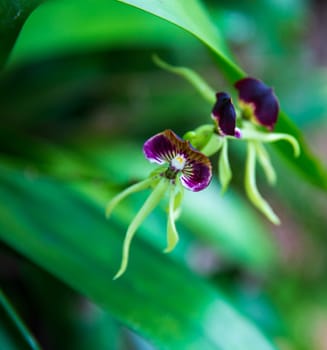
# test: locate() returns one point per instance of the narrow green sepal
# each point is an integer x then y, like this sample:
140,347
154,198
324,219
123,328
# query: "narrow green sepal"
251,186
264,160
179,196
172,234
139,186
152,201
201,86
200,137
213,145
224,171
254,135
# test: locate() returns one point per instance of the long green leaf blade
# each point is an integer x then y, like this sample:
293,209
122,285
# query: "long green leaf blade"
70,238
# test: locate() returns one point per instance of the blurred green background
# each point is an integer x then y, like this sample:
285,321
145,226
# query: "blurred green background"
79,94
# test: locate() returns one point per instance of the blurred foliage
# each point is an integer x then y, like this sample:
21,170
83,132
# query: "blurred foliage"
78,96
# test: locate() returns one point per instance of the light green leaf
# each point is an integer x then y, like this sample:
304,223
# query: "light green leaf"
64,27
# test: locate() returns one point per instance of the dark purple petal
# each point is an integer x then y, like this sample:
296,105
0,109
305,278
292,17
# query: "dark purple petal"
162,147
262,98
224,114
197,175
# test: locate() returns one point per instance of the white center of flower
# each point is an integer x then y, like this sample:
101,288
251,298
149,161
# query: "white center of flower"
178,162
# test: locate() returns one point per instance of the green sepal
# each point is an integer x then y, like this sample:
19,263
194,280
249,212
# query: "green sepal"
172,234
224,169
200,137
139,186
213,145
152,201
179,196
251,185
201,86
254,135
264,161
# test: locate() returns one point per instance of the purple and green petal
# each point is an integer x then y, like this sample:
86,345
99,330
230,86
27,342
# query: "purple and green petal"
167,147
261,99
224,114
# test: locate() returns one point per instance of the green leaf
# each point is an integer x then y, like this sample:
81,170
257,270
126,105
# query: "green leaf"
306,165
64,27
191,16
69,237
12,17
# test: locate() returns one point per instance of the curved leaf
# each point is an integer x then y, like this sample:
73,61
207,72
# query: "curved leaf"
12,17
70,238
70,26
192,17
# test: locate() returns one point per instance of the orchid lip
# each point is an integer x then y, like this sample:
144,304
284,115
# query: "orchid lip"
224,114
193,166
260,100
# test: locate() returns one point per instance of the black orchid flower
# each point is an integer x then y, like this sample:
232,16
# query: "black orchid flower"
224,115
181,166
259,101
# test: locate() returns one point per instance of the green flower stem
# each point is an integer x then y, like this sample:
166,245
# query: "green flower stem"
172,235
225,172
264,160
140,186
251,186
152,201
203,88
250,134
